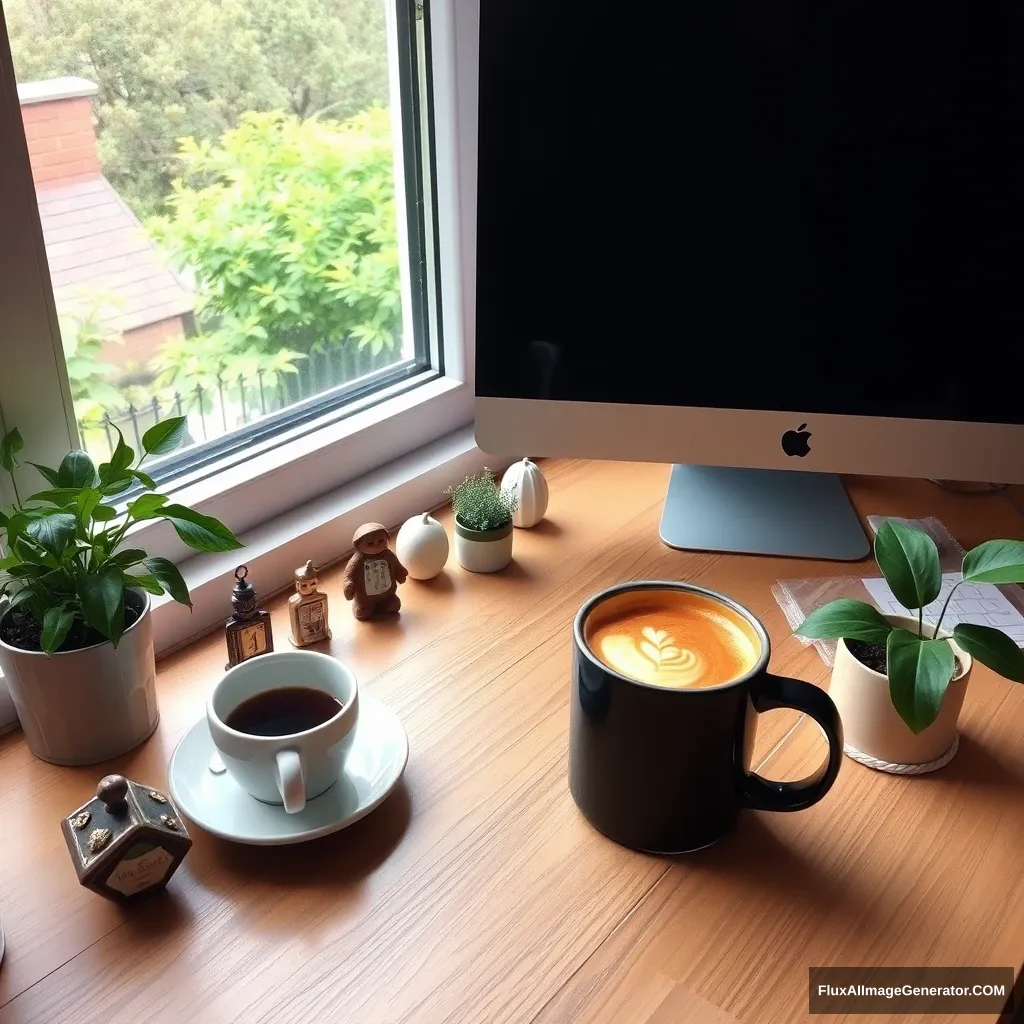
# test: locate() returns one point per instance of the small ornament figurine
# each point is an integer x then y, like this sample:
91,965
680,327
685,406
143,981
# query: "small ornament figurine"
307,609
525,480
422,546
248,631
373,574
127,841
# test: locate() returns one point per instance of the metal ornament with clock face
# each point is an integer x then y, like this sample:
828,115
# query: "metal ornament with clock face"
248,632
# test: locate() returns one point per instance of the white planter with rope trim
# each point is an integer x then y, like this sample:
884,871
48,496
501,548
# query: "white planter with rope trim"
875,735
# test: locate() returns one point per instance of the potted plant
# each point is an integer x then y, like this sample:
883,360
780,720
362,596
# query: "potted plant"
483,523
76,637
898,682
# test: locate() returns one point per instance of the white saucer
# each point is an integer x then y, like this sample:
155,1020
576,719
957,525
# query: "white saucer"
216,803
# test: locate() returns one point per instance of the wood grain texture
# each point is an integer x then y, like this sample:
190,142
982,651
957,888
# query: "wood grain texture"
477,892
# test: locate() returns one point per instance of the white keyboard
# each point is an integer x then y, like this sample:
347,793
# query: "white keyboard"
980,603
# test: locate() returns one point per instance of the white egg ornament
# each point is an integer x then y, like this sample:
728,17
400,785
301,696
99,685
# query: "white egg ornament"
422,546
526,481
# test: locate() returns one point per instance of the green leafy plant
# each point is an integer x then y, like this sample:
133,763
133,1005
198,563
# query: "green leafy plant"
67,563
84,333
480,504
919,663
189,68
291,225
232,352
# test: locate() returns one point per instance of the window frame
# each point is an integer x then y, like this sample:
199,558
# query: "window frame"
387,458
429,403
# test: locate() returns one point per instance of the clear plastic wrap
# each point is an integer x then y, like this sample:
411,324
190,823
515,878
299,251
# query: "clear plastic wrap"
798,598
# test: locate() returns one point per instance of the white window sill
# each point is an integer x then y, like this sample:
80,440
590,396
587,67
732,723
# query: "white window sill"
320,530
274,479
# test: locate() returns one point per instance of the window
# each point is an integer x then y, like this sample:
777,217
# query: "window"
287,473
237,210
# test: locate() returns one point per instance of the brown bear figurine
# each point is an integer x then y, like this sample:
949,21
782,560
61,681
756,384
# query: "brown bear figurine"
373,574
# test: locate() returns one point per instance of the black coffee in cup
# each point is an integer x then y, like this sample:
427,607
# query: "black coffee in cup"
283,711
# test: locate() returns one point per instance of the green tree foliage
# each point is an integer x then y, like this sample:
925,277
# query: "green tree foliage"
290,225
83,335
168,69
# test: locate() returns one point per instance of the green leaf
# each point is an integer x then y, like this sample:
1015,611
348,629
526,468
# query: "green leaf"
50,475
87,502
56,624
9,447
147,506
909,562
116,485
102,597
147,583
104,513
919,672
23,596
165,436
19,570
144,478
60,496
76,471
54,532
993,648
167,573
122,458
848,618
203,533
128,557
995,561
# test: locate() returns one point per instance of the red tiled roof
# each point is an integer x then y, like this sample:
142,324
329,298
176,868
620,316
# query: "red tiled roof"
95,244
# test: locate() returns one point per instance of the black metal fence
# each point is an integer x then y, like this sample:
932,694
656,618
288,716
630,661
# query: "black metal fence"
226,404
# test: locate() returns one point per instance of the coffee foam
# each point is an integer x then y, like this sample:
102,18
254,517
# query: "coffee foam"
671,638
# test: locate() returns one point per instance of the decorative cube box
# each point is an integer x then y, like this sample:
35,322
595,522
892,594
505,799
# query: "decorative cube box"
127,841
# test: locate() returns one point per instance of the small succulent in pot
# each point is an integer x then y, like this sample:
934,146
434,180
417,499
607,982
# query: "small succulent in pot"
480,504
483,523
67,570
919,661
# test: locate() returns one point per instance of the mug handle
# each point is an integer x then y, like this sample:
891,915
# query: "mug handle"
769,692
291,780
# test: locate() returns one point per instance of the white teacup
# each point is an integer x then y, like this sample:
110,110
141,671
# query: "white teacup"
294,768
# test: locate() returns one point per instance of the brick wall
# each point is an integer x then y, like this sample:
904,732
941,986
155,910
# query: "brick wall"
60,130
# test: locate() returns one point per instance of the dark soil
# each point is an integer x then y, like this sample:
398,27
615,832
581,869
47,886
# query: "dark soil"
19,629
873,655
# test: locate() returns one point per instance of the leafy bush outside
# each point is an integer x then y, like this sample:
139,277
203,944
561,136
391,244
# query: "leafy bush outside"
252,140
289,229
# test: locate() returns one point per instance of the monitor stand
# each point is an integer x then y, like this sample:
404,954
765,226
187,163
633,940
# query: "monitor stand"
761,512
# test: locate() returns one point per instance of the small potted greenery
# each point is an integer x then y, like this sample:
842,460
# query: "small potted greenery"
483,523
898,682
76,636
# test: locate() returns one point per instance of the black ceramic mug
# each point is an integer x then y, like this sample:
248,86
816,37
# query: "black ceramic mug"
667,770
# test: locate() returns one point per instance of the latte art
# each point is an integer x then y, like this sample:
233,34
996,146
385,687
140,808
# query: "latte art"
672,638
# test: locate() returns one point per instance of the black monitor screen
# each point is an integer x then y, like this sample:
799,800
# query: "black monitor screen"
766,204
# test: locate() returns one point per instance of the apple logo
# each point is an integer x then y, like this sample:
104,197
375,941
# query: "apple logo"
794,442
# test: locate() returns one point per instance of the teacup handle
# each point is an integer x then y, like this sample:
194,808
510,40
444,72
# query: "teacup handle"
291,780
769,692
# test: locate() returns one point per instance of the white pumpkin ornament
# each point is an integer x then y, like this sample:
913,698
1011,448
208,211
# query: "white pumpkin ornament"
525,480
422,546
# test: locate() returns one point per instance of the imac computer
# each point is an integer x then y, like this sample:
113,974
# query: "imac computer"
765,243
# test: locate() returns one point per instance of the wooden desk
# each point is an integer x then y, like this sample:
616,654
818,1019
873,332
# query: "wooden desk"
477,892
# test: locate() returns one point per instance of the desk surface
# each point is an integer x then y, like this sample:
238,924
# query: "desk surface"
477,892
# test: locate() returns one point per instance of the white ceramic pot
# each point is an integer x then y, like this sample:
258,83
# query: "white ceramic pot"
483,550
83,707
870,722
422,546
525,481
